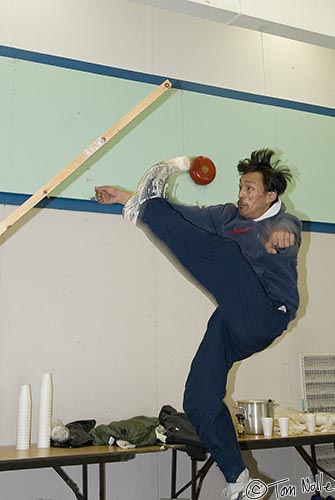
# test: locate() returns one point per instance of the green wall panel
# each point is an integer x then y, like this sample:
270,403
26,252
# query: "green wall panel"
50,114
57,113
228,130
7,75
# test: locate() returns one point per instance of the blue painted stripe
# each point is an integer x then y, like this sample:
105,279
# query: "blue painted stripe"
318,227
74,204
137,76
92,206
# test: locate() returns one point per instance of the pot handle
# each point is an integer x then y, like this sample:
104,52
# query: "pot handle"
241,409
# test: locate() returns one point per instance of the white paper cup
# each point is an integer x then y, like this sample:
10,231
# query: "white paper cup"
45,413
46,379
283,426
46,403
23,426
310,422
267,424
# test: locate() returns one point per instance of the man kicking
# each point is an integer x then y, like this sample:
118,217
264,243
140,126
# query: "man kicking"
246,257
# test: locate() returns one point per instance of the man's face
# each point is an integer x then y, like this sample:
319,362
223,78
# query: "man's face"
253,200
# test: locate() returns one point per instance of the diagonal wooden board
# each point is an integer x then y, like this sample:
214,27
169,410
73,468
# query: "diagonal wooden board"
95,146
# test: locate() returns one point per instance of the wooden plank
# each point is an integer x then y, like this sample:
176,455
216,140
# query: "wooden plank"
87,153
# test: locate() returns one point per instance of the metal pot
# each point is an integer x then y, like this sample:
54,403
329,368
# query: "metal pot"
253,411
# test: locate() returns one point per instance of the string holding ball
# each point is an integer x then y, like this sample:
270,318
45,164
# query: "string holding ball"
202,170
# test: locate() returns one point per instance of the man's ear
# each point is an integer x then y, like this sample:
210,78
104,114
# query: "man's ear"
272,196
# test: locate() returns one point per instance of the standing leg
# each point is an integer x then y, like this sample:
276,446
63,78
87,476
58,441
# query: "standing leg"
204,398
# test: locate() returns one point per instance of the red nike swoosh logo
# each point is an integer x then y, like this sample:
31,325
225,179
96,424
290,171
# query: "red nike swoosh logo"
240,231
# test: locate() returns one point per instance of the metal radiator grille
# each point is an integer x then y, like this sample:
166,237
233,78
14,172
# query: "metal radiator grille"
318,383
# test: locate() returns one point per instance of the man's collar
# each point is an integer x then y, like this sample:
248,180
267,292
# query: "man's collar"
273,210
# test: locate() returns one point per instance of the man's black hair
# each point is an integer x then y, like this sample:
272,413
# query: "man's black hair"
275,175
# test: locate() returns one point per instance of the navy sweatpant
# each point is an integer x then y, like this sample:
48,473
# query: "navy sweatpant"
244,322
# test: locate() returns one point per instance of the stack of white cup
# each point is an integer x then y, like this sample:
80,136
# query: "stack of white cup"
23,432
45,415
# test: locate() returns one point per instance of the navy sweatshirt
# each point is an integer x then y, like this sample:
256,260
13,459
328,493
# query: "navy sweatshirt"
277,272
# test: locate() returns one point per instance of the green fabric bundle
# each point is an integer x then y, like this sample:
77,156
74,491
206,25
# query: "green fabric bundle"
139,431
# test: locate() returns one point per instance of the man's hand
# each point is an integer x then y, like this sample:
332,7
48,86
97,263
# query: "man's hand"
281,238
110,194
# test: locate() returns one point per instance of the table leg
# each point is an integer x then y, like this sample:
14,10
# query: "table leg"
309,459
102,481
85,480
200,475
174,474
71,484
313,455
194,469
197,477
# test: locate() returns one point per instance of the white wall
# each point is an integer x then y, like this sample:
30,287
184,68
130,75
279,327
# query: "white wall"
129,35
97,305
304,20
87,297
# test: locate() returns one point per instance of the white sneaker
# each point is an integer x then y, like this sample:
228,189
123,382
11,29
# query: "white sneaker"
245,488
237,490
152,184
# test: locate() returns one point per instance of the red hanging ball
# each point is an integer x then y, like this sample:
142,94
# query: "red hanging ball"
202,170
